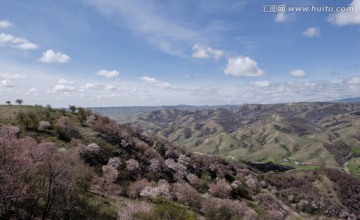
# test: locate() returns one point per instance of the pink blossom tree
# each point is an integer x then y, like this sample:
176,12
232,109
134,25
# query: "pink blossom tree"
136,187
162,189
105,184
43,125
132,165
187,194
65,128
220,189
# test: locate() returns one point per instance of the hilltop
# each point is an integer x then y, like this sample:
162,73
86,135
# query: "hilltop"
82,165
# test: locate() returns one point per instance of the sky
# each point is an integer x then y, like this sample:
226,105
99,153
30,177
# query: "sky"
154,52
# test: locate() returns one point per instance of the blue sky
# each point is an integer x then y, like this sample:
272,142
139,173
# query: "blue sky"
154,52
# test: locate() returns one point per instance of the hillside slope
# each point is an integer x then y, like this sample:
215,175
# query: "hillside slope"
298,134
82,165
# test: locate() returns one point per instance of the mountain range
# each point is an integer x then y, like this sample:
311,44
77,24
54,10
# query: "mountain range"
302,135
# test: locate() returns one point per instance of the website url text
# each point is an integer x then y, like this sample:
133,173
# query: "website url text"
306,9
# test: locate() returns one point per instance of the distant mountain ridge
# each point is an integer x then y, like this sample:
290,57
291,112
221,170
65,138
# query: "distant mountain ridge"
133,110
351,99
123,111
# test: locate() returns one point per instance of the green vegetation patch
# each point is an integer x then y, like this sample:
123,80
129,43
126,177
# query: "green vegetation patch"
356,150
353,166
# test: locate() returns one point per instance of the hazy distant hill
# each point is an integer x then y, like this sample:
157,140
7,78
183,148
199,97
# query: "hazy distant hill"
121,112
298,134
353,99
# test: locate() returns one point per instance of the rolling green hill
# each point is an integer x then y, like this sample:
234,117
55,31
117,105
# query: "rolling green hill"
296,134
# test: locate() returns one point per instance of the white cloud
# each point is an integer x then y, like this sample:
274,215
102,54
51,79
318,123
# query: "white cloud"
205,92
65,82
107,74
347,18
12,76
95,86
312,32
26,46
297,73
5,83
51,57
242,66
111,87
63,85
156,83
149,20
64,88
32,92
295,91
202,52
281,17
5,24
263,83
108,96
16,42
355,80
6,38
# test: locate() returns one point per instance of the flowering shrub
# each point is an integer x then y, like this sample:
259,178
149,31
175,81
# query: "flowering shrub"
194,180
103,124
152,153
133,211
219,209
187,194
93,147
251,182
155,165
14,165
161,190
271,205
178,167
44,125
114,162
136,187
90,120
220,189
183,159
132,165
9,132
124,143
180,170
32,172
171,154
65,128
105,183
